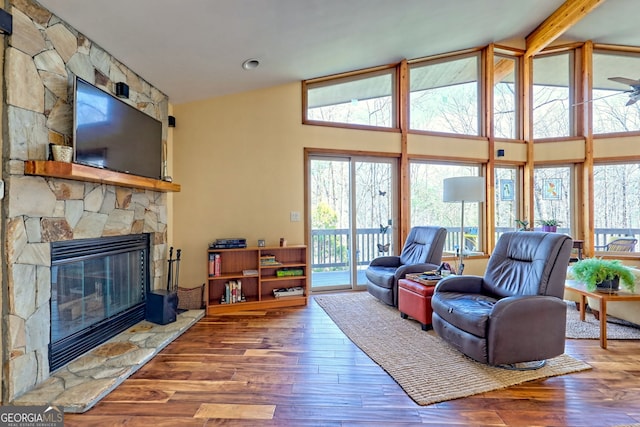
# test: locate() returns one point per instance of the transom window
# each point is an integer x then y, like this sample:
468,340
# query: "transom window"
444,95
505,97
365,99
552,95
611,113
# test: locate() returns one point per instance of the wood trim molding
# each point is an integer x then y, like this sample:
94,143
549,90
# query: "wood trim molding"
403,122
493,72
76,172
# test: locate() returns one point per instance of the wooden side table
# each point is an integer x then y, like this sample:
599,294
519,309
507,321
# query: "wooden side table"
603,297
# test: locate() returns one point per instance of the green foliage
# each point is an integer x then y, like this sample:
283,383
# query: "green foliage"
591,271
324,217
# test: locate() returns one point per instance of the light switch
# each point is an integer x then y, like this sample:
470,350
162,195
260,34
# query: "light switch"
295,216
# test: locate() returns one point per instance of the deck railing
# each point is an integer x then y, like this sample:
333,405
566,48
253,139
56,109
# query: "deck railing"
330,248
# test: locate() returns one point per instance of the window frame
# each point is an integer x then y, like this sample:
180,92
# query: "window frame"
480,83
596,241
635,54
517,58
481,211
573,192
572,130
337,79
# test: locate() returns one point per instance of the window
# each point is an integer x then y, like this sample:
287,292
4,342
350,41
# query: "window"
365,100
552,196
610,112
427,207
507,196
444,95
552,95
505,105
616,191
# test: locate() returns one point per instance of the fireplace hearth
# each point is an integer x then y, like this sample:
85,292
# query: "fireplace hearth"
98,289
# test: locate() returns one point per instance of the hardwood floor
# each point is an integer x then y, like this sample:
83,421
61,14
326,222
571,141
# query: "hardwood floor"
294,367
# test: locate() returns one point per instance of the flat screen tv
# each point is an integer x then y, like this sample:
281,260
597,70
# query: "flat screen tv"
109,133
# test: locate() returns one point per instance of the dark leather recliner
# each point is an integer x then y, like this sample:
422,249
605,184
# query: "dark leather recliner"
422,252
515,313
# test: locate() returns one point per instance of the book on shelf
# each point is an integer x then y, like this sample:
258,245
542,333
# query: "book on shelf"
287,272
232,292
212,264
249,272
268,260
288,292
215,265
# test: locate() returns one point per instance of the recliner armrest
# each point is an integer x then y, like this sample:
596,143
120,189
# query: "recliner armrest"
526,303
386,261
466,284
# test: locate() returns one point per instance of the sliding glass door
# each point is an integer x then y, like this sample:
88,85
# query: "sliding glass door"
352,217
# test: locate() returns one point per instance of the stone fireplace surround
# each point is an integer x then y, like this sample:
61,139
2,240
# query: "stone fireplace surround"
42,58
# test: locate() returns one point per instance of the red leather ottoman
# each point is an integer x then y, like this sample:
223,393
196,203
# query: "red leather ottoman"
414,299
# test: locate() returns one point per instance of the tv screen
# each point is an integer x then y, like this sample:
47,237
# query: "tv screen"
111,134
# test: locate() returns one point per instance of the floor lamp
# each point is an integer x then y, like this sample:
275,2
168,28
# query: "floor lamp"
463,189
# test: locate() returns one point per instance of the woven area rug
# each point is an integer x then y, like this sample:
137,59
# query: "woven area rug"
427,368
617,329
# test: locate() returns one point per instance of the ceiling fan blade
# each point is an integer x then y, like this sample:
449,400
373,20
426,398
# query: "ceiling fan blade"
601,97
631,101
625,81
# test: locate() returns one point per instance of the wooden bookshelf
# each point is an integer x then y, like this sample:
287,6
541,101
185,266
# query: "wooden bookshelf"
78,172
257,288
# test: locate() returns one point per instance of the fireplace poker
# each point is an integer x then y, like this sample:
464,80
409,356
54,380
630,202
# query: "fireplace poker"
170,270
177,276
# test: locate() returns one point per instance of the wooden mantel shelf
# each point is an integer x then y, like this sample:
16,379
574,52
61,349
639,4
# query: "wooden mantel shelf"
78,172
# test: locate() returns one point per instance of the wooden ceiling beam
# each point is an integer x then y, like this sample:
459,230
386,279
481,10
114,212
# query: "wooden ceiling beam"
568,14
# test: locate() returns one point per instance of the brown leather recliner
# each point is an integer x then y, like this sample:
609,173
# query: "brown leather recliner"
515,313
422,252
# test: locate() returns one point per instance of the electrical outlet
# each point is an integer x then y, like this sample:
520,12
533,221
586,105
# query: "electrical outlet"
295,216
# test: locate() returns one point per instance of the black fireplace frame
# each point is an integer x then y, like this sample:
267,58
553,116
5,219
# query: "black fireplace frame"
67,349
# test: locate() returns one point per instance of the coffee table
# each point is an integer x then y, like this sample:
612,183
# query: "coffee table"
603,297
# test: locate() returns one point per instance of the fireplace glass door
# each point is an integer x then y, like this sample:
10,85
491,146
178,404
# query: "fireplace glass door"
98,289
89,291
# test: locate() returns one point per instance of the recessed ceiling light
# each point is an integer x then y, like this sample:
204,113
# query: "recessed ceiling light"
250,64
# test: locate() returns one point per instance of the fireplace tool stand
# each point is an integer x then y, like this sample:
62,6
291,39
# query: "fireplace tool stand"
162,304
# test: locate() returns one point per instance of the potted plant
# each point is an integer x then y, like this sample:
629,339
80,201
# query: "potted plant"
549,224
603,274
523,224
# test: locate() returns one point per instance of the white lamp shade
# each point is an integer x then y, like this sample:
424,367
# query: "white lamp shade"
463,189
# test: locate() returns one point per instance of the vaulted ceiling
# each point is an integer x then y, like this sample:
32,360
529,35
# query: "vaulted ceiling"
193,49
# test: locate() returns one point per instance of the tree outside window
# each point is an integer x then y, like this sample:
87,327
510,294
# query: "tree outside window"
444,95
366,100
427,207
610,112
552,95
616,192
505,99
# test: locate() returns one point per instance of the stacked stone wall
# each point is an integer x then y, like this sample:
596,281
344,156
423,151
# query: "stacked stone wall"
43,56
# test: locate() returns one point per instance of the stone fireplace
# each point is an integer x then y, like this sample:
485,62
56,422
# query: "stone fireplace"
41,59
